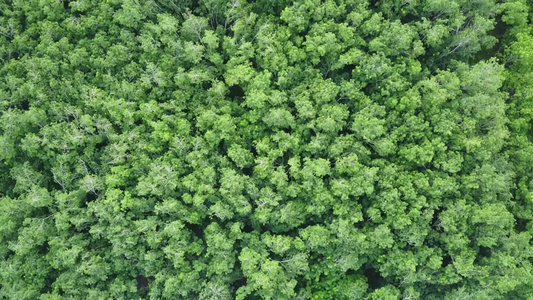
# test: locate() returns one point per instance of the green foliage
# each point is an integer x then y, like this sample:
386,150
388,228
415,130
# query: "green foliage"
338,149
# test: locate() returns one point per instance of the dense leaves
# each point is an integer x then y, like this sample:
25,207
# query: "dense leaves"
338,149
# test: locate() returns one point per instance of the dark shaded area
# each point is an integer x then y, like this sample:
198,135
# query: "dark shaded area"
241,282
90,197
254,151
435,219
66,5
50,278
273,7
197,229
499,32
102,144
43,249
375,280
287,130
446,260
25,104
483,252
347,69
247,227
236,91
194,4
530,131
206,85
408,18
6,183
222,148
248,171
521,224
23,22
143,283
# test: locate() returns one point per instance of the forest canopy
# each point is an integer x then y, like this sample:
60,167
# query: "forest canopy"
267,149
